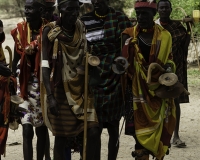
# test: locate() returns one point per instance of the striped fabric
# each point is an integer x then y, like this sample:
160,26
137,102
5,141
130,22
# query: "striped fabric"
180,52
154,119
105,36
67,124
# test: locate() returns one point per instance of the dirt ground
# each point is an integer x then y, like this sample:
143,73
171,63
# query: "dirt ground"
189,127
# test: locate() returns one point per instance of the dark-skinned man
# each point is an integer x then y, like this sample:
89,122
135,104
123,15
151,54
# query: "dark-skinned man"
28,50
63,50
5,78
4,70
104,27
48,13
180,43
153,118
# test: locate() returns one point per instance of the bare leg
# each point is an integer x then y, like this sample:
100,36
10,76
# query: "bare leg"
27,132
92,149
176,138
68,153
59,148
113,138
41,141
47,147
98,140
178,114
92,136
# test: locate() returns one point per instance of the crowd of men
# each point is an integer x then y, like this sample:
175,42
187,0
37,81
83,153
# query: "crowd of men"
48,72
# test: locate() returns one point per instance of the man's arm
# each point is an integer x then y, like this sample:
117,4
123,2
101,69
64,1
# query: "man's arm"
53,106
15,61
2,35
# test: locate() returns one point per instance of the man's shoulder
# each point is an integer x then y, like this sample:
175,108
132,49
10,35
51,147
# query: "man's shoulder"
21,24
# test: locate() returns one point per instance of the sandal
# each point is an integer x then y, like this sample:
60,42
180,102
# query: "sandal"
179,143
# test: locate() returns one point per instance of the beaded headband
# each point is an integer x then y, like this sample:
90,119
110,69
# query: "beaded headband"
146,4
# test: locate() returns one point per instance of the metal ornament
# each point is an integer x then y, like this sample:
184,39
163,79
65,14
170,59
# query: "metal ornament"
168,79
124,65
93,60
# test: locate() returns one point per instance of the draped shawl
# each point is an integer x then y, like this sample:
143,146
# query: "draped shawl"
154,118
72,57
22,37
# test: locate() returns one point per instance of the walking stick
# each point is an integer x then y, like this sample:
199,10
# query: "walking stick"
85,106
10,59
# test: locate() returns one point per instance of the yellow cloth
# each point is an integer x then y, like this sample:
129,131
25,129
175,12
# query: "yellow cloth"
153,117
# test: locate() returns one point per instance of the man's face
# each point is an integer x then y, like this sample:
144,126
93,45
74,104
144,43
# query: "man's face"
164,9
70,12
48,12
100,5
32,12
144,17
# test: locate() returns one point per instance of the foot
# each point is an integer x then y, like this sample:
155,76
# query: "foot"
178,143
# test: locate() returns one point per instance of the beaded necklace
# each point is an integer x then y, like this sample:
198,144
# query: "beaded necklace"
99,15
149,30
66,34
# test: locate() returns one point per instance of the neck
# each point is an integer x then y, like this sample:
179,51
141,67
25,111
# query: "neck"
103,12
165,19
35,25
68,28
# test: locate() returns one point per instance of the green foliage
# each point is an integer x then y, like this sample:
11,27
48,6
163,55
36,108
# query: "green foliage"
118,4
188,6
12,7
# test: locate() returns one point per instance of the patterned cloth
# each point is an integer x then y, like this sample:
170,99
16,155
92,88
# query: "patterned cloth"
69,90
154,118
105,37
33,115
180,45
22,36
5,104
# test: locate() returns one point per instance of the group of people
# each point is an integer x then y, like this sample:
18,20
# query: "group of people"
50,53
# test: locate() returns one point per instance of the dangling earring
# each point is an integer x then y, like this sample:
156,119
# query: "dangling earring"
60,15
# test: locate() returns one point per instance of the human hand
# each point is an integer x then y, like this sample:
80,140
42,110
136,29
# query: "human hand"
53,105
31,48
4,70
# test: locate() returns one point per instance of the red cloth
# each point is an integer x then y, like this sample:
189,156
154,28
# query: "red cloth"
5,94
25,65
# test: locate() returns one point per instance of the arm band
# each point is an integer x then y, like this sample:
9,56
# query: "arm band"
45,64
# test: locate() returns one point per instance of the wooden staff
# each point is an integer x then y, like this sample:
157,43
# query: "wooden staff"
10,56
10,59
85,107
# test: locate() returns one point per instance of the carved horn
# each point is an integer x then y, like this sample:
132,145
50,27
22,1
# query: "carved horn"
152,66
